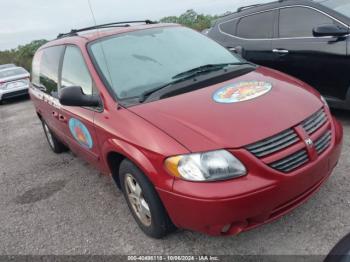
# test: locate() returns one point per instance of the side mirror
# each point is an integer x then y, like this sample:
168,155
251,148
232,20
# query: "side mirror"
330,30
74,96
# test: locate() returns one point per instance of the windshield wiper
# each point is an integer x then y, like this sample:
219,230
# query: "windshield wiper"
206,69
144,95
188,75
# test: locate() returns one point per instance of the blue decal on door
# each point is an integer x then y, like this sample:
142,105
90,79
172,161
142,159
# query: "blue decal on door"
80,133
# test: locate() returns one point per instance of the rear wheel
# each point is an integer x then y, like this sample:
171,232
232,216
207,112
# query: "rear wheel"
54,143
144,202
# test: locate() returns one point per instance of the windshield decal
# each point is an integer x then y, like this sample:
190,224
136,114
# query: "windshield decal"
242,91
80,133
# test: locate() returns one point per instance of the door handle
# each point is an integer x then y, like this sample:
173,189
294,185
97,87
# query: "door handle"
238,50
280,51
55,114
62,118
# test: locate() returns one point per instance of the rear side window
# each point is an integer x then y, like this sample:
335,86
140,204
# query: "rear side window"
74,70
49,65
258,26
36,69
300,22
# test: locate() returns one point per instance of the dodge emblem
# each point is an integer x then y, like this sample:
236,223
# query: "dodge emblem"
309,142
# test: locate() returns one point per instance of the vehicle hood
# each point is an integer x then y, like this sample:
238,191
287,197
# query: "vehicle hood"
199,123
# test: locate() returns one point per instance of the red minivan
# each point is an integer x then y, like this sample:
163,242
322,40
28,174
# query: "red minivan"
194,136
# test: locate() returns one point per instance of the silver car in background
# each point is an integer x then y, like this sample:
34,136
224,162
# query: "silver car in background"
7,66
14,81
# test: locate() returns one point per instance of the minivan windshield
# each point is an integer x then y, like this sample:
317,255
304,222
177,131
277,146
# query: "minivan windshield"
341,6
136,62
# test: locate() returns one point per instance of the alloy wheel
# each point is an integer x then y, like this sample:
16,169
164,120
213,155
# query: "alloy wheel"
137,201
49,135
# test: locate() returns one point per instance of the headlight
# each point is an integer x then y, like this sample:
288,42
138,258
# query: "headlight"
208,166
324,101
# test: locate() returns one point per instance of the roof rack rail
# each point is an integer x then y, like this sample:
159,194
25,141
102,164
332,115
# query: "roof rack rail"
75,32
247,7
256,5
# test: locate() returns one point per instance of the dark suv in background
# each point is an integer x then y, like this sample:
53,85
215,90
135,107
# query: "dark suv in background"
306,39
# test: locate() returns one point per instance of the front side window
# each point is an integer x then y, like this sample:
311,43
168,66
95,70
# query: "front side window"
74,71
258,26
135,62
340,6
49,65
300,22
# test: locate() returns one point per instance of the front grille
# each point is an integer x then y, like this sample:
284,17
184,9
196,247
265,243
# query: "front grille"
274,144
314,122
323,142
291,162
281,142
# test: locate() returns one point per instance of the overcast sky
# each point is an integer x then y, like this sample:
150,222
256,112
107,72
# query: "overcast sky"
23,21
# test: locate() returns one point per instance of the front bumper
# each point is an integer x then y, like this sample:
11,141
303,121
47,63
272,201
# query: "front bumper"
14,92
245,203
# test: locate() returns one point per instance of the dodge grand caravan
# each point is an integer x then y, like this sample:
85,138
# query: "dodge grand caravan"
194,136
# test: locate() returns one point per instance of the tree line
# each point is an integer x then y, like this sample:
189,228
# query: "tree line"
23,54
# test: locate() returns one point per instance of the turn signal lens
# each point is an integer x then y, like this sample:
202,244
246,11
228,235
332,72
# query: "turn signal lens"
171,165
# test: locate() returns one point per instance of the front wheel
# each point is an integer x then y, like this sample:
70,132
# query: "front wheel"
56,145
144,202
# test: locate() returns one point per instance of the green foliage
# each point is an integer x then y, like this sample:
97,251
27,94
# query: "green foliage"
191,19
22,55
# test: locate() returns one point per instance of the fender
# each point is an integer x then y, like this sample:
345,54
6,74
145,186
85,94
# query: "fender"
153,170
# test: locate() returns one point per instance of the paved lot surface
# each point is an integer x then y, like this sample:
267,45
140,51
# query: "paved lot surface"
57,204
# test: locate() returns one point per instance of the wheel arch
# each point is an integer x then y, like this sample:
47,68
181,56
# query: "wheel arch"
118,150
114,160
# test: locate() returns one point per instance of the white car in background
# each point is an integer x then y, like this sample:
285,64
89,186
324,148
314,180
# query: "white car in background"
14,81
7,66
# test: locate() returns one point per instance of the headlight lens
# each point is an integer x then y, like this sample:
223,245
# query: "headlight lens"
324,101
208,166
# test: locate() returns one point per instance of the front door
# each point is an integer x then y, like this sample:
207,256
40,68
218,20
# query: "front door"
318,61
78,122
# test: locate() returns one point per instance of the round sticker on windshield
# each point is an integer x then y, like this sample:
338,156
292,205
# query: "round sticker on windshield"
242,91
80,133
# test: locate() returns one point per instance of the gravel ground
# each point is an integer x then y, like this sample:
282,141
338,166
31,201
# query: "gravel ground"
58,204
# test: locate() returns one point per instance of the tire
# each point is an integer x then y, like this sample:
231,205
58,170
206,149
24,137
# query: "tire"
155,223
56,146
